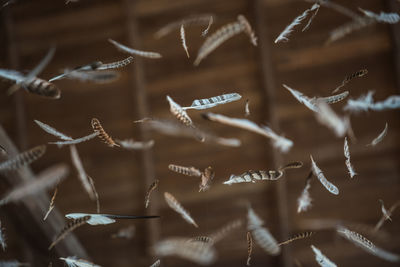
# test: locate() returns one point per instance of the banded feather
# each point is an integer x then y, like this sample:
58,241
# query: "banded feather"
205,239
189,171
380,137
116,65
51,205
179,112
68,228
322,259
43,88
292,165
356,74
334,98
125,49
249,247
152,187
156,264
297,237
390,18
206,103
102,134
247,29
321,177
176,206
24,158
254,176
349,166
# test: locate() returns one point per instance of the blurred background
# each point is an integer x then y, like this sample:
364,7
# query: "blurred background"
80,30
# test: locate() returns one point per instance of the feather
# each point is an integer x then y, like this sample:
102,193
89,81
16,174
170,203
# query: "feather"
220,36
247,29
321,177
366,102
88,67
311,18
12,263
99,77
47,179
24,158
51,205
3,243
95,219
68,228
156,264
253,221
365,244
132,51
206,103
225,230
52,131
359,73
75,262
102,134
304,201
206,178
179,112
390,18
201,19
292,165
176,206
326,116
322,259
127,232
183,40
116,65
297,237
83,177
131,144
148,193
249,247
279,142
189,171
198,252
283,36
205,239
74,141
380,137
347,156
308,102
254,176
352,26
385,214
247,108
334,98
96,195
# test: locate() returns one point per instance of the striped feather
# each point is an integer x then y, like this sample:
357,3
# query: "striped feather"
102,134
206,103
176,206
24,158
132,51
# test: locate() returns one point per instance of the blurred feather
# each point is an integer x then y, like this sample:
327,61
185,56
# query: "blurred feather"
176,206
24,158
321,259
132,51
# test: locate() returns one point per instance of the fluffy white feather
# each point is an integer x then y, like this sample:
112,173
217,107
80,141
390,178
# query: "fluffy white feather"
326,116
304,201
366,102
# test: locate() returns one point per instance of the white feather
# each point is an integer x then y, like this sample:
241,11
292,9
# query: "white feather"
183,40
95,219
75,262
52,131
391,18
380,137
347,155
304,201
326,116
321,177
74,141
132,51
206,103
366,102
322,259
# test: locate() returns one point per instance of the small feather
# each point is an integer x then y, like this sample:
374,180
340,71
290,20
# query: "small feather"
74,141
183,40
359,73
304,201
102,134
176,206
380,137
247,108
322,259
116,65
206,103
130,144
69,227
51,205
24,158
152,187
297,237
132,51
52,131
74,262
156,264
326,116
95,219
366,102
249,247
189,171
390,18
347,156
321,177
179,112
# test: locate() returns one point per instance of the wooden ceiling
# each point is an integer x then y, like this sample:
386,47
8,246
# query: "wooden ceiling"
80,31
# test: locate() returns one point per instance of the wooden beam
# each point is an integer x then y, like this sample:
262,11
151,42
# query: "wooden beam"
35,207
141,110
269,86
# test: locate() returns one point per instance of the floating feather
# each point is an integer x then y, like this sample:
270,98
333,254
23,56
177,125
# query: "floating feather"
148,193
126,232
189,171
116,65
220,36
51,205
156,264
74,141
206,103
68,228
225,230
100,219
83,177
380,137
52,131
283,36
347,155
3,243
249,247
75,262
326,116
12,263
311,18
359,73
24,158
297,237
253,220
321,177
280,142
96,195
308,102
391,18
183,40
322,259
304,201
201,19
102,134
176,206
130,144
386,214
334,98
205,239
247,108
132,51
46,179
88,67
206,177
366,102
292,165
99,77
179,112
247,29
198,252
254,176
352,26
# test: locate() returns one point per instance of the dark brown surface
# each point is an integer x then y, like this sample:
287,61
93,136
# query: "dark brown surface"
80,32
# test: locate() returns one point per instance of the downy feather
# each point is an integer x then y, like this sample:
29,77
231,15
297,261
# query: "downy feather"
366,102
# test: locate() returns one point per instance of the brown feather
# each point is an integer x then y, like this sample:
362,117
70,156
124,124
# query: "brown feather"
97,128
71,226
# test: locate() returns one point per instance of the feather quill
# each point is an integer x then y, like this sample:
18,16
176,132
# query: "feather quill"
279,142
132,51
322,259
321,177
102,134
347,156
283,36
380,137
366,102
68,228
152,187
183,40
206,103
24,158
176,206
48,178
75,262
131,144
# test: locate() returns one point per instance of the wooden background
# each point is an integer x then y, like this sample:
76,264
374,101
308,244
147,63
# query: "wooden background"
80,32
